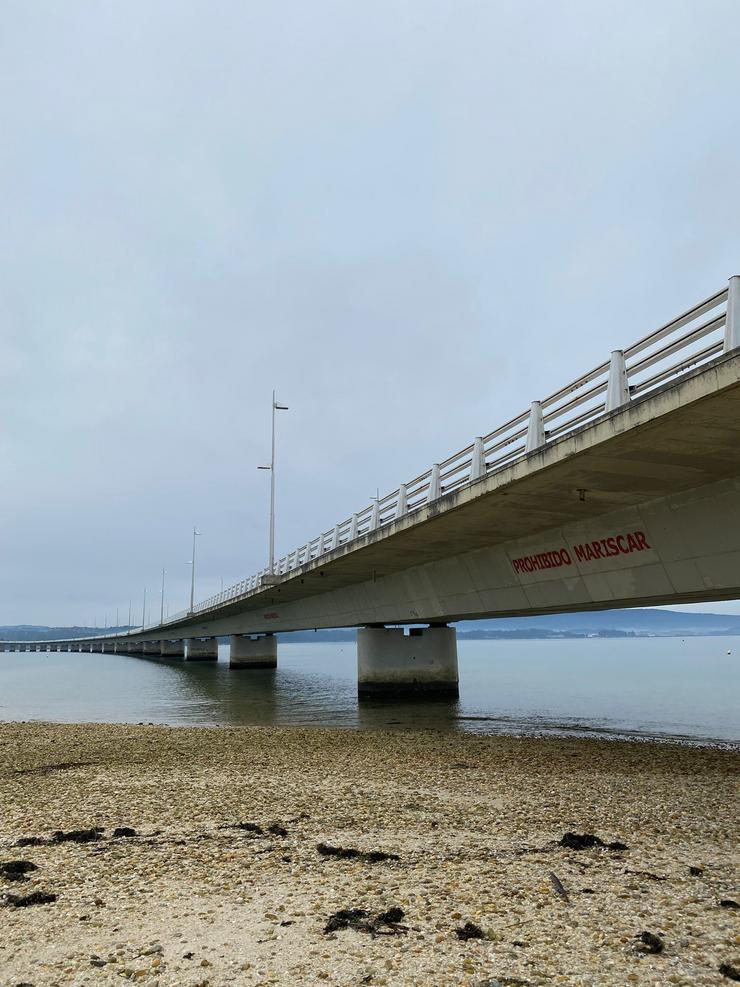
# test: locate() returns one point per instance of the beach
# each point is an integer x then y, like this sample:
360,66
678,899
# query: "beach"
216,876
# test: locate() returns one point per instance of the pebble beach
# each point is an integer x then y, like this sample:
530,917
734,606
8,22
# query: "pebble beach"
266,855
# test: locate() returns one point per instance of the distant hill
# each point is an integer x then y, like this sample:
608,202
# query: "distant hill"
35,632
647,622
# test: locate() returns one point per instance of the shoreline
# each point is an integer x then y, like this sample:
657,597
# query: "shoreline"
584,733
224,883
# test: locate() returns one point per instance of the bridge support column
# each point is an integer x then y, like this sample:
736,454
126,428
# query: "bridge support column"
202,650
419,665
253,652
172,649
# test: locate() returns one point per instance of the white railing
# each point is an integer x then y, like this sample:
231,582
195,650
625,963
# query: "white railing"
664,356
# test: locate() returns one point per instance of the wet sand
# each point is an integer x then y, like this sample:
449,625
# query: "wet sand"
474,821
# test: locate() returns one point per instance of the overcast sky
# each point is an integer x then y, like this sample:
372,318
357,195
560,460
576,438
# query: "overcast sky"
411,218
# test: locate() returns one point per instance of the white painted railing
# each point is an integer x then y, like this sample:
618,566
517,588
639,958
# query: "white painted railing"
663,357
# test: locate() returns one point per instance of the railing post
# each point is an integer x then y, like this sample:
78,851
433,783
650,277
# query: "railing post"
375,515
617,389
732,320
335,537
353,528
322,546
535,428
402,504
435,490
478,463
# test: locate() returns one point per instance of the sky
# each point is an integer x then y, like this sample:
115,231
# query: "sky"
410,218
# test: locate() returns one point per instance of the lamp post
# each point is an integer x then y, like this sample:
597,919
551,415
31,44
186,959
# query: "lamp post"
196,533
143,611
271,468
161,612
129,617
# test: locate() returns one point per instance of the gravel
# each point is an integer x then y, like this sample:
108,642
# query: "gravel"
195,900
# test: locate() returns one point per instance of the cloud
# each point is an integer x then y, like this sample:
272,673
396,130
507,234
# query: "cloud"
411,219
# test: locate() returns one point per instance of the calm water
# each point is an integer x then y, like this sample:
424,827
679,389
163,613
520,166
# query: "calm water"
685,689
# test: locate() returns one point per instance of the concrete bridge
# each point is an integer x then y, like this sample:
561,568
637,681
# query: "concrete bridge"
620,489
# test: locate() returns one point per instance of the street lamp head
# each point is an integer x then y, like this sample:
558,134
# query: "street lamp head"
281,407
264,467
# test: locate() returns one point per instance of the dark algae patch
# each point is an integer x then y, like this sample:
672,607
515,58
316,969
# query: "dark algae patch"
470,931
648,942
587,841
350,853
16,870
77,835
25,900
384,924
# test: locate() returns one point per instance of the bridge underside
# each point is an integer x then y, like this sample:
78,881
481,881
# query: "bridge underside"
639,507
683,548
642,508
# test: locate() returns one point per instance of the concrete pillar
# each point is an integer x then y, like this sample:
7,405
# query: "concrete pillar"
419,665
253,652
104,647
172,649
202,650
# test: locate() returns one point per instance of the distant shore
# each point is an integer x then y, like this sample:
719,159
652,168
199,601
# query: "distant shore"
223,882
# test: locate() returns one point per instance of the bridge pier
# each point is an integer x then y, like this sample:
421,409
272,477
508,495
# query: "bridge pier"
172,649
202,649
419,665
253,652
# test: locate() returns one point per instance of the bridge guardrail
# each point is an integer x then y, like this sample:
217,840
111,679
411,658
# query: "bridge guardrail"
635,371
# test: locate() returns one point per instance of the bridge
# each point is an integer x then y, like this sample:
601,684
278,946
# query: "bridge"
620,489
